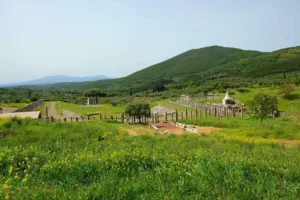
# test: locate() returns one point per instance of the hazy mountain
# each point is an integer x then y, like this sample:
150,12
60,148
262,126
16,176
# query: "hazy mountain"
214,65
59,79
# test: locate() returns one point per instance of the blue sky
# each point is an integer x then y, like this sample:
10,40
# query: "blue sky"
118,37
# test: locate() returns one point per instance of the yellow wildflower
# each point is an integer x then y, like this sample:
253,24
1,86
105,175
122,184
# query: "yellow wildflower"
10,169
16,177
134,143
6,197
5,186
8,181
24,180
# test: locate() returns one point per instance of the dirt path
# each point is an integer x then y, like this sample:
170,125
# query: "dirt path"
171,128
52,111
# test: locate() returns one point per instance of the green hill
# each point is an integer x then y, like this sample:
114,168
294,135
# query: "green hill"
209,65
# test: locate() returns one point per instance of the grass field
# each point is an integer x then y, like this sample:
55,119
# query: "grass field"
105,109
249,129
98,160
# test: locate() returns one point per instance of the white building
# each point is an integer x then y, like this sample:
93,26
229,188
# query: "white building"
227,101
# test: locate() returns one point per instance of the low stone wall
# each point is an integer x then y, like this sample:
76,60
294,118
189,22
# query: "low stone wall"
189,128
68,113
31,107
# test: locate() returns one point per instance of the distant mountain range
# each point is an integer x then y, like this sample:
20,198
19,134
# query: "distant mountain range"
59,79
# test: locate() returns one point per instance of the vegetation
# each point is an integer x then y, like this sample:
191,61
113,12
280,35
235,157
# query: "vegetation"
243,159
104,109
14,105
138,110
286,90
41,160
263,106
248,129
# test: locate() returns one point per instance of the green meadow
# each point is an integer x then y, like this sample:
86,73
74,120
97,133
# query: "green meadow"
100,160
104,109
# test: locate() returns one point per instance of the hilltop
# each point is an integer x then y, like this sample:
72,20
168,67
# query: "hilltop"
213,66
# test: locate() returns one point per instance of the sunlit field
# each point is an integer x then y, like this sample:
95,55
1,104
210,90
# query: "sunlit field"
99,160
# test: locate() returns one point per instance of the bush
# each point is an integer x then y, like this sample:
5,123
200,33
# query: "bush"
243,90
286,89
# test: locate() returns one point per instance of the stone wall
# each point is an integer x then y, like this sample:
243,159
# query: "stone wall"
210,109
31,107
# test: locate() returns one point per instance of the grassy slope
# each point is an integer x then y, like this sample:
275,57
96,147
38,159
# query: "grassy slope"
53,160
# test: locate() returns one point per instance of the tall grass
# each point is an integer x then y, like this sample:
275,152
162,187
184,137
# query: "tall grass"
282,128
98,160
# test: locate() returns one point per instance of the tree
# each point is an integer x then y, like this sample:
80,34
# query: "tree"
138,110
286,89
95,92
262,106
34,98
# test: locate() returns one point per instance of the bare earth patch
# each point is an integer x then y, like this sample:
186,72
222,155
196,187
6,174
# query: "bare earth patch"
8,109
171,128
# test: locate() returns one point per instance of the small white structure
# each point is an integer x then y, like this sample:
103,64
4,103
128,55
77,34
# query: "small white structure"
227,101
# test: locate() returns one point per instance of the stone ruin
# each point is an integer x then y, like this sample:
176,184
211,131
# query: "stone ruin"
92,101
189,128
228,101
161,110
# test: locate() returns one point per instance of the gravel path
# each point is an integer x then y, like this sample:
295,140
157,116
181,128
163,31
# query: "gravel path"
52,111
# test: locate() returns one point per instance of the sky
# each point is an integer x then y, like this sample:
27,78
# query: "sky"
118,37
